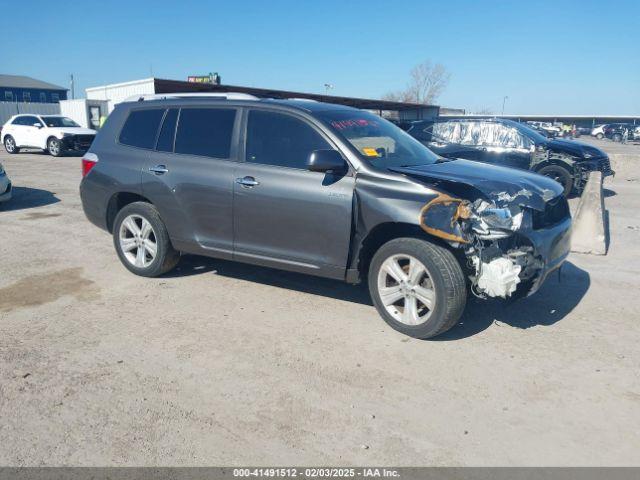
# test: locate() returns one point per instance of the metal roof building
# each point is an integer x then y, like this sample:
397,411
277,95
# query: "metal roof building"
117,92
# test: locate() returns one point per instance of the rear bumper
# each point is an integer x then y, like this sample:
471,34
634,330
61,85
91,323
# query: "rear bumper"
93,204
552,245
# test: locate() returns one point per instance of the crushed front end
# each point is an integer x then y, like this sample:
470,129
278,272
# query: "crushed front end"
511,241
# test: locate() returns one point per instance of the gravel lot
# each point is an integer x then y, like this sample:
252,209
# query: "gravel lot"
228,364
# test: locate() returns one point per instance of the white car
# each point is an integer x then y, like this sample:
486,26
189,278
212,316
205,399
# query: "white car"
52,133
551,129
598,131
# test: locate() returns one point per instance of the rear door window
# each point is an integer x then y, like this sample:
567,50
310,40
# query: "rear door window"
168,131
205,131
141,128
283,140
27,121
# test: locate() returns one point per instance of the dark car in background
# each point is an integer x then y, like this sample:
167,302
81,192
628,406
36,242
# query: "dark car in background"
511,144
615,131
325,190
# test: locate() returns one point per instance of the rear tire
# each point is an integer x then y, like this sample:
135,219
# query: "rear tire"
54,147
442,285
142,241
560,175
617,138
600,136
10,145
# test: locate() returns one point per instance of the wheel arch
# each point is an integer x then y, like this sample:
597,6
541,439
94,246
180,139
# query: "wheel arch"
117,202
559,160
386,231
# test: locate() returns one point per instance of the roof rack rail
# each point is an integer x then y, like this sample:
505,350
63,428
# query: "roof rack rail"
164,96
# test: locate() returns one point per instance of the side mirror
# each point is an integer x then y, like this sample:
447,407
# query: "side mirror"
37,125
326,161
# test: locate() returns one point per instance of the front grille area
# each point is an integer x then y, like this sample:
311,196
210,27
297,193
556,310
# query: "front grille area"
604,165
555,211
84,139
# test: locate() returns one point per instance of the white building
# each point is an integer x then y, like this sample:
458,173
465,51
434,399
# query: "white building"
118,92
85,112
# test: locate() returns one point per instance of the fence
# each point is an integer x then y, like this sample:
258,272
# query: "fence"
8,109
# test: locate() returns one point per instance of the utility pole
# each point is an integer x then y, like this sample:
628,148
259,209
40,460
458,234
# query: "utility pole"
504,100
73,91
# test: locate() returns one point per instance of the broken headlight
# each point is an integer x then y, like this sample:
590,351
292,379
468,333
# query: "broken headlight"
497,217
492,223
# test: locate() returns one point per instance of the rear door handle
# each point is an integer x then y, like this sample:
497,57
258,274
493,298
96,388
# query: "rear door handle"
247,181
159,169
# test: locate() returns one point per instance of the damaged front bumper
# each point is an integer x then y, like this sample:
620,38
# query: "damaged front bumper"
552,246
583,169
510,248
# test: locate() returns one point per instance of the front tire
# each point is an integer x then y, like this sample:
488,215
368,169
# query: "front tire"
55,147
560,175
10,145
417,287
142,241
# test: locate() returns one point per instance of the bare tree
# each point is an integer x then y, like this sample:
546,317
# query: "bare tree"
427,82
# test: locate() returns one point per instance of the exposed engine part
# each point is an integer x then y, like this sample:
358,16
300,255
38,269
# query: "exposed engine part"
497,278
486,229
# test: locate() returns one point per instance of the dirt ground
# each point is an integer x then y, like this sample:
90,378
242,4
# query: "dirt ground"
229,364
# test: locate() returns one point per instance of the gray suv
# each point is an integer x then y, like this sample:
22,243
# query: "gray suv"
321,189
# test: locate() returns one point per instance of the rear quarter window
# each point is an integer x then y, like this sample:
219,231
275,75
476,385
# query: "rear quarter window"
141,128
205,132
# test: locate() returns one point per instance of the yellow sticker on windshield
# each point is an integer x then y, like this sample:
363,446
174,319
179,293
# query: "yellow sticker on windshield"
370,152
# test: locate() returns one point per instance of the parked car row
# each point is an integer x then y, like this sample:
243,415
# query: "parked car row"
451,205
616,131
622,131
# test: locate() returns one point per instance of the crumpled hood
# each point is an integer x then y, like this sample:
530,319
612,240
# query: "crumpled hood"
576,149
74,130
504,186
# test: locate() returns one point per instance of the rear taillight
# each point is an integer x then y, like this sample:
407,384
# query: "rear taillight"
89,161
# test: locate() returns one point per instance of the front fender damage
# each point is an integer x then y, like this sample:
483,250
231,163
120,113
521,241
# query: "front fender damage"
488,230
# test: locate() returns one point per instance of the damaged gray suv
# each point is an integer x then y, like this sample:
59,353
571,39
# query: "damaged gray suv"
325,190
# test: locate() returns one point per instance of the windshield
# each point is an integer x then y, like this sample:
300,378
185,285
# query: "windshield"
59,122
378,141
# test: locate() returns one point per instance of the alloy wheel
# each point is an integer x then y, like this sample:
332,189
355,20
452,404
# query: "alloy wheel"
138,241
10,144
54,148
406,289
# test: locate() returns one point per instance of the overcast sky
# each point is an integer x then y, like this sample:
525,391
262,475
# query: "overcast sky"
548,57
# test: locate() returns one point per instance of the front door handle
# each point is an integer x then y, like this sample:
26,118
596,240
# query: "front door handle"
159,169
247,182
